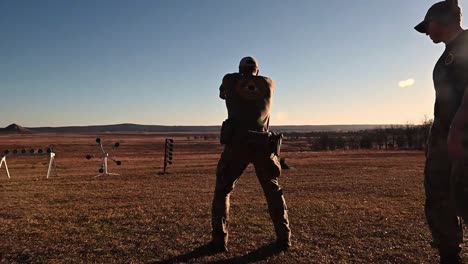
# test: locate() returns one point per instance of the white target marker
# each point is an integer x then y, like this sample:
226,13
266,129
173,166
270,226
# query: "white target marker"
105,156
51,163
3,161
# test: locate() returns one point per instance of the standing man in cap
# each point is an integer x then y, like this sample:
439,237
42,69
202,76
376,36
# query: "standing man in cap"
247,139
446,171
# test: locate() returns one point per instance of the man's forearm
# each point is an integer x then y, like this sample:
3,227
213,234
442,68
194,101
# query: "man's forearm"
222,91
457,130
455,139
461,117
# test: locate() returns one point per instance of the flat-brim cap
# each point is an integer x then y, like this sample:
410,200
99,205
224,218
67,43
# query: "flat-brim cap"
442,12
422,27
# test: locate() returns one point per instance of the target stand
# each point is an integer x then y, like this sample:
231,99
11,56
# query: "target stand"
32,152
105,156
52,163
3,162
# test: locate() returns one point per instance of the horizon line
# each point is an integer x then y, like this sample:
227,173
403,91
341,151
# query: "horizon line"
165,125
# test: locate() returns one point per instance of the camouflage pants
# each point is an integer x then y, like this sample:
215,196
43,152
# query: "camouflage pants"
446,186
234,160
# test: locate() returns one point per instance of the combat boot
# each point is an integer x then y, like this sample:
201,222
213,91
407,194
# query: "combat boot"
216,248
282,245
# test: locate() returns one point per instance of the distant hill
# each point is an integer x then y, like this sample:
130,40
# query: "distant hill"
126,128
199,129
15,129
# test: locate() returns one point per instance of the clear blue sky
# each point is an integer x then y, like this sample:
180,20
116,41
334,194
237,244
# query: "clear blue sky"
161,62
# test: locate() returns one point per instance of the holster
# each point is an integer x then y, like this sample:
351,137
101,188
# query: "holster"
231,134
276,140
227,132
271,140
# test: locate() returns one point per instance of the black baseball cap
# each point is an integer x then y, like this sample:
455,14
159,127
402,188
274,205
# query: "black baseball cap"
442,12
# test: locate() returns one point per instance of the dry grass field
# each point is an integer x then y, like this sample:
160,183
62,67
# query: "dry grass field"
345,207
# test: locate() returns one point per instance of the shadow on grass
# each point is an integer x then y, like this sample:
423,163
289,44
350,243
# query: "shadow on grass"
199,252
263,253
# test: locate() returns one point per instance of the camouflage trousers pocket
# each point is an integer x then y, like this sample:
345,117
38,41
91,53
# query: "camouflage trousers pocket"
276,165
437,178
224,161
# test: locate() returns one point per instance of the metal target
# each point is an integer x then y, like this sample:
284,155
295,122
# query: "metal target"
168,150
31,152
105,156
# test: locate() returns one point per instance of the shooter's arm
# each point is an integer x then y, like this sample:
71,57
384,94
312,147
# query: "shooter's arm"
458,128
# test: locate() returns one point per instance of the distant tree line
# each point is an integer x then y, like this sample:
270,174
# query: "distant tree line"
203,137
409,136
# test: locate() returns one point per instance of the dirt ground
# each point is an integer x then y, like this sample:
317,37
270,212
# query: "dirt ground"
344,207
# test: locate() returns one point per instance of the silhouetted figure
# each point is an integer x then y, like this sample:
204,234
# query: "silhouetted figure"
247,140
446,171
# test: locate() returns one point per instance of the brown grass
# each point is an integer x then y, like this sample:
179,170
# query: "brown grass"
345,207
